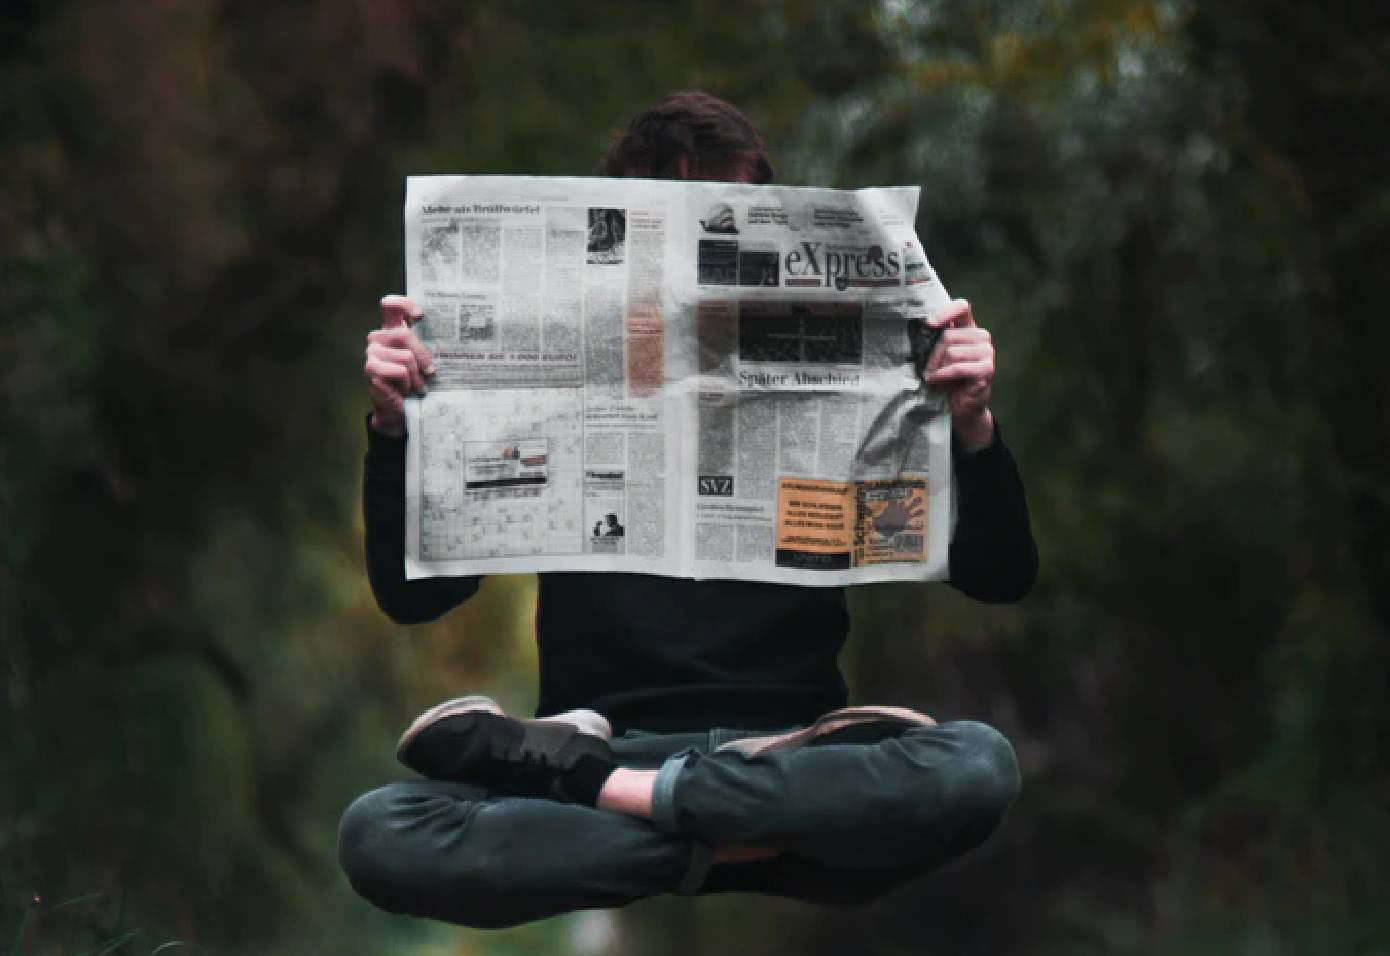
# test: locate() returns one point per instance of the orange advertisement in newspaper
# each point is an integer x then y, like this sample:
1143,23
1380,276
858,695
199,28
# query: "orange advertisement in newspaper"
891,521
815,528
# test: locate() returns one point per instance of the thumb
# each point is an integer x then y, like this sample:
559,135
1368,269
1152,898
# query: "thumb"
398,310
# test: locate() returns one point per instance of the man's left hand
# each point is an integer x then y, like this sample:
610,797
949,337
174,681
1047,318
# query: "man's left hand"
962,366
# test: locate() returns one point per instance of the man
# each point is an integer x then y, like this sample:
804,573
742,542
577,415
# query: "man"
691,736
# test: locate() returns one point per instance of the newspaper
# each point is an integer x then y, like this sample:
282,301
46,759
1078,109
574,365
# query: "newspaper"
693,379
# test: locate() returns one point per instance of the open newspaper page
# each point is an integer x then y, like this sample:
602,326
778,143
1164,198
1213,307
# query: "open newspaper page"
693,379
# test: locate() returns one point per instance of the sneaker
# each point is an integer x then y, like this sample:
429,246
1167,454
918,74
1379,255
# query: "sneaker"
849,725
472,740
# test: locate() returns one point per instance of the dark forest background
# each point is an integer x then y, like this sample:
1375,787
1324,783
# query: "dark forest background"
1173,216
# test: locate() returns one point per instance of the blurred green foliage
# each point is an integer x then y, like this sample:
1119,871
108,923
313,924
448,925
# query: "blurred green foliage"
1171,216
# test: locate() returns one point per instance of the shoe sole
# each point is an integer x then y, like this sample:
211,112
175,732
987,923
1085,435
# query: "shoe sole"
829,724
473,704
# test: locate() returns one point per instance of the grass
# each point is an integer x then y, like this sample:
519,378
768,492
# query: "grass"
32,917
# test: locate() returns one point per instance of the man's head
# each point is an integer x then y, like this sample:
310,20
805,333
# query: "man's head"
690,135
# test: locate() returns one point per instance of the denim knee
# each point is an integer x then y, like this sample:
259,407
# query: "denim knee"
365,851
987,783
408,848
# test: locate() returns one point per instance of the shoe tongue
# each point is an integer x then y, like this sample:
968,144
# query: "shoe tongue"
546,737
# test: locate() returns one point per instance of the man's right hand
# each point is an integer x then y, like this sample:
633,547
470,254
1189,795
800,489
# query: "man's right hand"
397,364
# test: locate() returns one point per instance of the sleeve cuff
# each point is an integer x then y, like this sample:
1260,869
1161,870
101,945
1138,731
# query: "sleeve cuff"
385,459
383,446
986,459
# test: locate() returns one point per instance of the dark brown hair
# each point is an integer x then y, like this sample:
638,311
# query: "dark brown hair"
689,135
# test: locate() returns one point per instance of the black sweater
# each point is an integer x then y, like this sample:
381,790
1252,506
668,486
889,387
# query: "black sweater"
669,654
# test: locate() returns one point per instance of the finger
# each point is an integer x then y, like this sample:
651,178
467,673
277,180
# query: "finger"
388,375
400,337
968,352
969,333
404,358
397,337
954,338
955,315
398,310
972,352
386,400
934,360
960,371
937,358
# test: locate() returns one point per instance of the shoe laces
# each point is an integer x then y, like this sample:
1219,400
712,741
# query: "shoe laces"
524,758
535,758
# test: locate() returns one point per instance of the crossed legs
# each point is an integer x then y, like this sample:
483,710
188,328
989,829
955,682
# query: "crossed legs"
846,822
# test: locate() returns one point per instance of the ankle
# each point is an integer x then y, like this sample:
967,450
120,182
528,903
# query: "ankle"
628,791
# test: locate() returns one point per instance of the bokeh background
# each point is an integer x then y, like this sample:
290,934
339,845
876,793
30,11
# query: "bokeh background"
1173,216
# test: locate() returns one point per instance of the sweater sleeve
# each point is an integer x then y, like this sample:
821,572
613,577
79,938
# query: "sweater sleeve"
383,510
993,556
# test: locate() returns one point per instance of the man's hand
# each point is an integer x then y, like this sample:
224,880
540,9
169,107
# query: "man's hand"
397,364
962,365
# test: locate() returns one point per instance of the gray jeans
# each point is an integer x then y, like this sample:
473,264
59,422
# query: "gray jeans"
853,821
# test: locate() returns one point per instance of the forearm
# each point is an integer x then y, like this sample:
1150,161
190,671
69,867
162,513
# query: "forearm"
383,509
993,555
